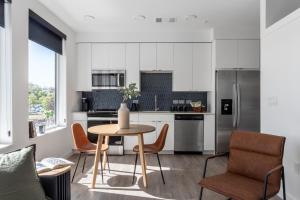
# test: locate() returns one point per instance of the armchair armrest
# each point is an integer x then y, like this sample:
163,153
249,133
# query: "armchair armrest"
212,157
277,168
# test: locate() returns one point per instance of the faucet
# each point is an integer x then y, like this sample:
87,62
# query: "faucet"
155,103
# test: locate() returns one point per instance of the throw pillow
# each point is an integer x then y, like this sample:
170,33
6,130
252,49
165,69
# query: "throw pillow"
18,177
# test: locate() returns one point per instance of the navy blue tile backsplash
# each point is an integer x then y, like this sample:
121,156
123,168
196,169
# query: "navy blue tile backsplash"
152,84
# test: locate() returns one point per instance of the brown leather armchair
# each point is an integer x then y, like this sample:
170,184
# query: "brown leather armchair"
254,169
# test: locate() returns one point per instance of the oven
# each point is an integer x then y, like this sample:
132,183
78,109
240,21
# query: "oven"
116,143
108,79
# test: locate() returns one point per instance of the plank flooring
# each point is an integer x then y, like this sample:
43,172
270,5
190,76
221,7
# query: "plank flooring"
182,173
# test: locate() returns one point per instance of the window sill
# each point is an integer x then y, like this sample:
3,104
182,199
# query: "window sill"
2,146
51,131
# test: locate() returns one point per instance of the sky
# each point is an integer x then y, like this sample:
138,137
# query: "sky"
41,65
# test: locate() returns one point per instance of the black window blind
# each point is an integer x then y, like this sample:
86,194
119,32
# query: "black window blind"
43,33
2,19
2,12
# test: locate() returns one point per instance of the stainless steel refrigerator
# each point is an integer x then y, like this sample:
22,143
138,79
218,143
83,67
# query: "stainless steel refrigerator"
237,104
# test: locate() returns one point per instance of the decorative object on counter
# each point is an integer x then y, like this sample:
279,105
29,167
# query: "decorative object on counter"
197,106
84,104
135,106
129,92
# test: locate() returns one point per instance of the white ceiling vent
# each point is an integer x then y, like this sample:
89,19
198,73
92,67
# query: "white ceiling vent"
165,20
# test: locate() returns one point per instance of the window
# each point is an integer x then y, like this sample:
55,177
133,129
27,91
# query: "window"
42,88
46,76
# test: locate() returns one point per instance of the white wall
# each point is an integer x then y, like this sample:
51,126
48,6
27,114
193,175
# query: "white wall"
280,92
58,143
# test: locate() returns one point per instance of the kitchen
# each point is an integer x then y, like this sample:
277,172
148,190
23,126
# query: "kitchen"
169,75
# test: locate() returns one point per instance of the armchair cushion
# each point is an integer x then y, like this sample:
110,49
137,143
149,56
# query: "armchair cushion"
237,187
18,177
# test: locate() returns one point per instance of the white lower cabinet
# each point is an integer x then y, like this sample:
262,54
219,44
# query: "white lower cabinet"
156,120
209,132
81,118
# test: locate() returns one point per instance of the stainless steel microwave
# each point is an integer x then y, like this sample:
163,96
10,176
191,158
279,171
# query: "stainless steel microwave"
108,79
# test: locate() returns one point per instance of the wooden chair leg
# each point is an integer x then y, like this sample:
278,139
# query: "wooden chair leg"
101,167
201,193
108,163
84,163
161,172
136,157
76,167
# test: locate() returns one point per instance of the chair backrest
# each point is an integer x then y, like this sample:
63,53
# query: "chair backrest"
79,137
161,140
254,154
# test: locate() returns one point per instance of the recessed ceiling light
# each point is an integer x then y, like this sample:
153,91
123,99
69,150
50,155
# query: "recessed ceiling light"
139,17
89,17
190,17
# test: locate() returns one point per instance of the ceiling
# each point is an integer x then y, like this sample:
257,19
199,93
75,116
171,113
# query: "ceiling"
118,15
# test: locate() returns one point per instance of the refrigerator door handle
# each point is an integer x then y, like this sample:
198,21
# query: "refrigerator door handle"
234,121
238,105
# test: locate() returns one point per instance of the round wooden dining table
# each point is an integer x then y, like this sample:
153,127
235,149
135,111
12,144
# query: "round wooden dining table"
113,130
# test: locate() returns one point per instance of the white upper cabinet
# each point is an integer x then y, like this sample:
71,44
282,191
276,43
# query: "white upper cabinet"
147,56
108,56
249,54
202,67
183,67
133,64
226,54
117,54
237,54
84,63
99,56
165,56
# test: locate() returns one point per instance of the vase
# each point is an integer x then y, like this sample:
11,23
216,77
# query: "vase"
123,116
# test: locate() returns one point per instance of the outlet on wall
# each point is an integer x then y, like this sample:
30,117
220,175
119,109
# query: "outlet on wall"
273,101
297,167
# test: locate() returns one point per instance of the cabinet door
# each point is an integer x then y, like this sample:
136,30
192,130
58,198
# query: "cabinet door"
84,75
209,132
149,138
226,54
165,55
183,67
116,56
202,71
133,64
100,55
130,141
148,56
169,144
249,54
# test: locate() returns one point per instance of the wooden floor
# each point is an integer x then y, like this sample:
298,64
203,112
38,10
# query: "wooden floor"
182,173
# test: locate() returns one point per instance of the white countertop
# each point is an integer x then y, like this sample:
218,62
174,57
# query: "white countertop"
162,112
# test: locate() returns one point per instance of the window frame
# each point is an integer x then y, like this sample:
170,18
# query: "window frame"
6,135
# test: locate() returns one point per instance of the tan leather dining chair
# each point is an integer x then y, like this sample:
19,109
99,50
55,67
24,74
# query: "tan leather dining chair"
154,148
85,147
254,169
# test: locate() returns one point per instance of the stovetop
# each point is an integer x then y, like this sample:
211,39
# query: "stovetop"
102,113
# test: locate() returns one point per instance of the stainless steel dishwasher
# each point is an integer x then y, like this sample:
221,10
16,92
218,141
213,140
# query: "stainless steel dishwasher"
189,133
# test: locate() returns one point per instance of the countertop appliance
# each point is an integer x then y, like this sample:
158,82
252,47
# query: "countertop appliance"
84,104
99,117
189,133
237,104
108,79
